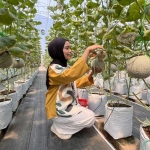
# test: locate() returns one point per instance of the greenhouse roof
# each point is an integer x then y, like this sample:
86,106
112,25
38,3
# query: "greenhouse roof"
42,5
43,15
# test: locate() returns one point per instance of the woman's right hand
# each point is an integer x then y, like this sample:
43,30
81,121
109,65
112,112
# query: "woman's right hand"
92,48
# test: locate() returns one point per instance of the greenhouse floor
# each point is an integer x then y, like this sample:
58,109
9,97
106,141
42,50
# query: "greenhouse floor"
30,130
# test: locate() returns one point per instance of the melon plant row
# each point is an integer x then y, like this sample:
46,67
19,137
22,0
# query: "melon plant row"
19,37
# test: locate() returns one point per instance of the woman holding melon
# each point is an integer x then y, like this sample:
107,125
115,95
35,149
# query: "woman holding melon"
61,104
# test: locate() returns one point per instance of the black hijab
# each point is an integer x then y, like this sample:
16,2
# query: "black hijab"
55,50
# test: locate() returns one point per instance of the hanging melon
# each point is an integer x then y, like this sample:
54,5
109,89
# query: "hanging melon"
101,55
6,59
18,63
32,66
97,65
113,67
139,66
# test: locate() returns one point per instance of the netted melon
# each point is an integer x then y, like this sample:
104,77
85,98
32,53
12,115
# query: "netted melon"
6,59
113,67
101,55
18,63
32,66
97,65
139,66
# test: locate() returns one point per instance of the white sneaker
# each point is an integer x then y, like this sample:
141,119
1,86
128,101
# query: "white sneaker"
61,136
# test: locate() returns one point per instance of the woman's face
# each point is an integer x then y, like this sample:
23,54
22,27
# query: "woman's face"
67,51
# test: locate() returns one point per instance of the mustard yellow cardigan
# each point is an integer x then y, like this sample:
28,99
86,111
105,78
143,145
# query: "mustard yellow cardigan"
68,75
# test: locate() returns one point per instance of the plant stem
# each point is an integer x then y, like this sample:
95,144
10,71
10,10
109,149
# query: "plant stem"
146,84
142,11
8,89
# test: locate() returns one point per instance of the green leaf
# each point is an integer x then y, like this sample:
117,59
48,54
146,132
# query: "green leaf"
110,34
74,3
30,25
7,42
147,11
22,23
118,8
128,29
80,1
32,11
76,23
94,17
124,49
57,24
1,4
77,12
29,45
22,46
125,2
52,8
89,33
2,46
29,3
91,5
116,52
100,32
146,35
106,75
38,22
22,15
13,10
134,12
6,16
21,1
16,51
109,11
13,2
113,43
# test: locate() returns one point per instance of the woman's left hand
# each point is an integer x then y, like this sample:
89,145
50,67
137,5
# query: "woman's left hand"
93,72
96,70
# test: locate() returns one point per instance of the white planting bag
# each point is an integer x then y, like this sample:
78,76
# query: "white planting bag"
18,88
121,88
136,90
97,103
148,96
143,85
98,82
14,103
112,84
144,140
118,121
5,114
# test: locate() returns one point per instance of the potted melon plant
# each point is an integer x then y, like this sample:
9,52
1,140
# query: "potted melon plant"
97,96
144,134
5,102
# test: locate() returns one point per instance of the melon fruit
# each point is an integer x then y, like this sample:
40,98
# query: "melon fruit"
101,55
32,66
18,63
139,66
113,67
97,65
6,59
